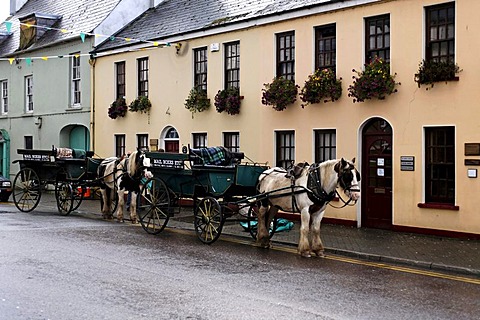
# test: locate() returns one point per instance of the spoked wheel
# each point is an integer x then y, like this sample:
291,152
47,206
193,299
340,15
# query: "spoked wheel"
65,197
26,190
78,194
154,206
253,222
208,220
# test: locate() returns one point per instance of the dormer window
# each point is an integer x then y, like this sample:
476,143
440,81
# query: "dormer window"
29,34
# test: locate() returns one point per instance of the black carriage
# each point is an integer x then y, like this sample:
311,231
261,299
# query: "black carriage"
70,171
214,180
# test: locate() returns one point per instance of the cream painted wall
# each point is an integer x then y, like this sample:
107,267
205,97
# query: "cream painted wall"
408,111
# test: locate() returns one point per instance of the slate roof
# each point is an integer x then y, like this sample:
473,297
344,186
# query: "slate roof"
177,17
79,15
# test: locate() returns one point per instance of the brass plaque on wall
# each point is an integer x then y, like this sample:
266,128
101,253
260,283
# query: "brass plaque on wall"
472,149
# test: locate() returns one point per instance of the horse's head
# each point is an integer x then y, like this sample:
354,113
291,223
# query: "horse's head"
348,178
139,164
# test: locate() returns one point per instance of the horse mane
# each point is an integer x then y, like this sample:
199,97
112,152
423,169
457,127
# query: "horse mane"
132,163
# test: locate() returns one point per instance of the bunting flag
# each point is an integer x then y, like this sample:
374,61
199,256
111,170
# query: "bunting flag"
30,60
83,34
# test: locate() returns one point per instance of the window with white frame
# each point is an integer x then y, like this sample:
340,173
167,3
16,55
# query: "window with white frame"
231,141
440,165
75,84
199,140
142,141
29,94
4,96
285,145
120,145
325,145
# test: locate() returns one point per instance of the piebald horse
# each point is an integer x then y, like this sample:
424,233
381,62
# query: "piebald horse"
306,189
122,174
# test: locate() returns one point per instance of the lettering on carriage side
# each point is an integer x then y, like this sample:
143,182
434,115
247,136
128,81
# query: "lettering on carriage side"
36,157
168,163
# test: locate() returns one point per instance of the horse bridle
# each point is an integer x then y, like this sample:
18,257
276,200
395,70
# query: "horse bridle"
347,186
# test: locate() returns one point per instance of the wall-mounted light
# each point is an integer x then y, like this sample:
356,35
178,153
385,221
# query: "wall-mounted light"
38,122
178,46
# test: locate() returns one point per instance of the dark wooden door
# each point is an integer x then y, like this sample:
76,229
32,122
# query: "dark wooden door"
377,175
172,146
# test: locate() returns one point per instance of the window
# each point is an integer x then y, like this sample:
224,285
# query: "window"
142,141
120,145
29,94
325,145
28,142
76,91
286,55
142,77
440,165
199,140
440,33
231,141
325,47
377,40
4,96
200,68
120,79
232,65
285,148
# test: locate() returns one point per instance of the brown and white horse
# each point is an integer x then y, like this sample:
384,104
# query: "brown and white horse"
306,189
122,174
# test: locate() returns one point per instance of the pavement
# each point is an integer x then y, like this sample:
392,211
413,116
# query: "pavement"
416,250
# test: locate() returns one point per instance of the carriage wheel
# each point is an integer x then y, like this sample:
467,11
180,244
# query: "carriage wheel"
252,223
78,194
208,220
154,206
65,197
26,190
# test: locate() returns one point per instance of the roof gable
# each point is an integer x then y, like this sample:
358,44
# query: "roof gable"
81,15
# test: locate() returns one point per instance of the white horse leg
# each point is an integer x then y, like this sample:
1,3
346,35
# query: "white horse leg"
303,243
317,245
106,214
262,232
121,203
133,207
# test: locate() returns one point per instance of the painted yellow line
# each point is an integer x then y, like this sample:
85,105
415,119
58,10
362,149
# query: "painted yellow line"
350,260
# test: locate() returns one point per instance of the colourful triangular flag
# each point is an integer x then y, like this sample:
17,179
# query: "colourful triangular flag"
28,61
11,60
45,58
82,36
8,24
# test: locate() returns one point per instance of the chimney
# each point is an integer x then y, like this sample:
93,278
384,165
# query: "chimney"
16,5
13,5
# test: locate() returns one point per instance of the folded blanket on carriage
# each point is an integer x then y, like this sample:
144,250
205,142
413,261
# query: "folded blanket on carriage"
68,153
213,156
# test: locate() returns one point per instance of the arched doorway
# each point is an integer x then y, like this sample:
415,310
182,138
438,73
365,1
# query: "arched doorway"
75,136
171,140
377,166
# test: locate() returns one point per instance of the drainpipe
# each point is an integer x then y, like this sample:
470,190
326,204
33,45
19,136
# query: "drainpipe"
92,108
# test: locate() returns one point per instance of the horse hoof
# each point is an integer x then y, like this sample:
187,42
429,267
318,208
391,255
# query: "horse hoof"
134,222
305,255
320,254
120,220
